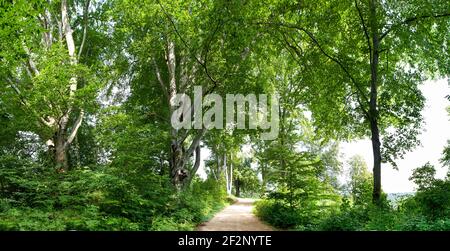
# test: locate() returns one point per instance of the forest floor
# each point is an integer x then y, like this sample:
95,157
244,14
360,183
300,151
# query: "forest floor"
236,217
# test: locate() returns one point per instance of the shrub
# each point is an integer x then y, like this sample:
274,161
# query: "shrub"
277,214
34,197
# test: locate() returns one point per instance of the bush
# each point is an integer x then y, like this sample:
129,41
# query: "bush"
34,197
434,201
349,219
277,214
412,214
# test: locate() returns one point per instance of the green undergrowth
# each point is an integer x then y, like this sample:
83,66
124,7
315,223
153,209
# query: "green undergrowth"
33,197
427,210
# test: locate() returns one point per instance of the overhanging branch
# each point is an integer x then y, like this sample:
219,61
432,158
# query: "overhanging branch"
366,33
202,64
411,20
332,58
326,54
160,80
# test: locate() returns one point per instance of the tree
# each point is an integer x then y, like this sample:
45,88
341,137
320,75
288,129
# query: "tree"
183,45
295,164
225,146
360,181
44,78
372,56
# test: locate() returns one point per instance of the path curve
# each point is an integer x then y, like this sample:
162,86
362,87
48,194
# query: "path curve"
236,217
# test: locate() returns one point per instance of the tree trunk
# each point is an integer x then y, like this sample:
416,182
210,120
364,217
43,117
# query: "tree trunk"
376,196
194,169
373,111
263,178
62,163
230,188
180,175
218,170
61,141
227,176
60,157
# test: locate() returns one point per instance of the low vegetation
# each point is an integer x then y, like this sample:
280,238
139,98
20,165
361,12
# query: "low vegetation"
34,197
427,210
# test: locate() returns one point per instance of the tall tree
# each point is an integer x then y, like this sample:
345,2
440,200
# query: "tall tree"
45,78
171,47
362,63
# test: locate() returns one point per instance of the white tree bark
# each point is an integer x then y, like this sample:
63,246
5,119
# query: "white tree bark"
230,189
181,176
226,172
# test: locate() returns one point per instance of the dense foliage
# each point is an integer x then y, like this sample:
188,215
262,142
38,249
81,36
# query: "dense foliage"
34,197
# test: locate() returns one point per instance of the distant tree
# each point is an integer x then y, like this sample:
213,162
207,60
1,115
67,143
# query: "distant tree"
360,181
246,180
423,176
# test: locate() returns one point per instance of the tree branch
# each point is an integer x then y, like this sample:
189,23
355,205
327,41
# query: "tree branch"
194,169
85,18
194,144
160,80
17,91
46,22
75,128
294,48
334,59
410,20
24,102
31,63
203,64
208,46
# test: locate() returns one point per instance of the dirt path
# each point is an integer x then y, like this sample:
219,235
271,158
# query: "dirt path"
236,217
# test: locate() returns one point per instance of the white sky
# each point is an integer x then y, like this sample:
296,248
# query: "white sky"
433,139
